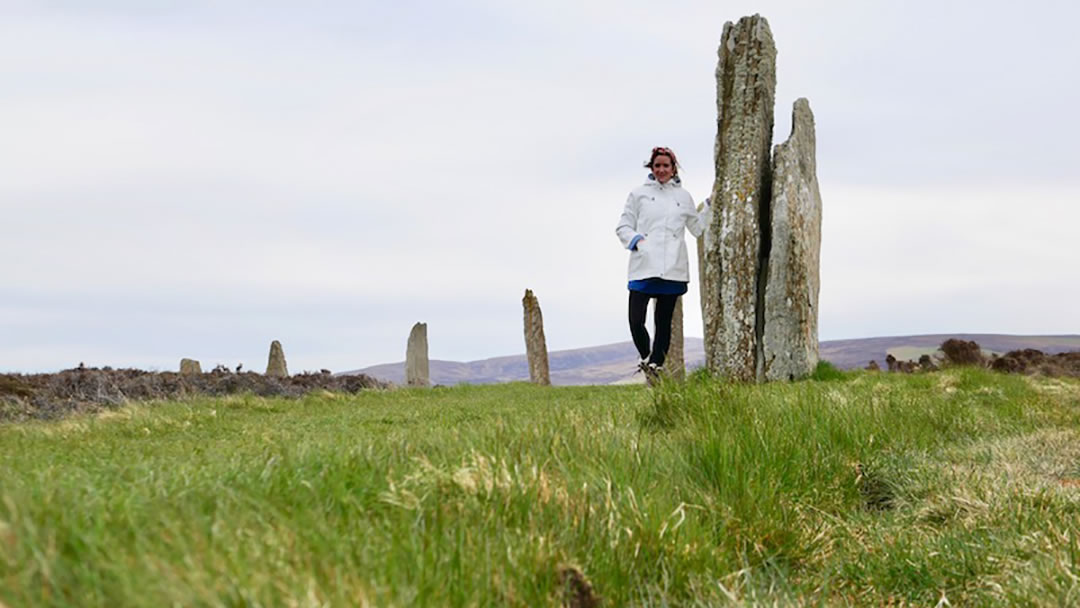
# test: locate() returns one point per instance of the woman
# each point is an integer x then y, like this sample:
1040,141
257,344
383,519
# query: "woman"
651,227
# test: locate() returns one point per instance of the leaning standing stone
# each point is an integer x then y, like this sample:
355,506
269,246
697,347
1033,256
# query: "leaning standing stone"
675,362
276,367
535,344
745,90
790,343
416,357
190,367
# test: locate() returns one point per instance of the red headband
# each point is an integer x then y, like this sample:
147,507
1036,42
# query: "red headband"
661,150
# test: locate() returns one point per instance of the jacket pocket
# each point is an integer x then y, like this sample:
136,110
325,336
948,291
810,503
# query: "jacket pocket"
639,258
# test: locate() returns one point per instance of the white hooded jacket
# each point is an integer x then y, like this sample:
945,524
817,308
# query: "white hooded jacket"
658,213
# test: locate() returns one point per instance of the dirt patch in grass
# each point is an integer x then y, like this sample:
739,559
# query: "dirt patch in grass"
578,592
877,492
84,389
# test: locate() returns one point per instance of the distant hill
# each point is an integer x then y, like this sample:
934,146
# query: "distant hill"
592,365
616,363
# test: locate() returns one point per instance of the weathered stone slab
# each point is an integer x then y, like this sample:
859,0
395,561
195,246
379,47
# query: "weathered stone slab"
790,338
710,319
535,343
190,367
675,362
416,357
745,93
275,366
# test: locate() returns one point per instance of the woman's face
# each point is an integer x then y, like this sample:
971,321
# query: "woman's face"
662,169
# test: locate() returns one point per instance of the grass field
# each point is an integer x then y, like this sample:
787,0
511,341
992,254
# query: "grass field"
956,488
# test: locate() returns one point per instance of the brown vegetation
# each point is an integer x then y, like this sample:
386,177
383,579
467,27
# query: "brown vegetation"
903,367
962,352
954,352
50,396
1030,361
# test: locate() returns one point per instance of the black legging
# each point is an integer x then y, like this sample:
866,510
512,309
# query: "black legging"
665,308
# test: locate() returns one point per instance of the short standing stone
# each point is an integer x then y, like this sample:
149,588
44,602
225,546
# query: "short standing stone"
275,366
535,343
789,348
675,362
745,90
189,367
416,357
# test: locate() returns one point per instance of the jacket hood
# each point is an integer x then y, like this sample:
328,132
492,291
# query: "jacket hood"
674,182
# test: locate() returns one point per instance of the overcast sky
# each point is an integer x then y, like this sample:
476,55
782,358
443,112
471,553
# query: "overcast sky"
198,178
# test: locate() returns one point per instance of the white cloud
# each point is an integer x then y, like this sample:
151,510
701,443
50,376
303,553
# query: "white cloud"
939,260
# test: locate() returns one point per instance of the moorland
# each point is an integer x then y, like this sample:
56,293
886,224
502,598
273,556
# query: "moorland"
958,487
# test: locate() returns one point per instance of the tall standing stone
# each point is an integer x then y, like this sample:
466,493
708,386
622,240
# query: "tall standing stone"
745,92
190,367
790,341
535,344
416,357
275,366
675,361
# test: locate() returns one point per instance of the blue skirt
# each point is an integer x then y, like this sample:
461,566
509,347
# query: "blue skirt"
658,287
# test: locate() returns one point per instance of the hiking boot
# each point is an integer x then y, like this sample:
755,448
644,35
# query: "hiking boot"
652,373
643,368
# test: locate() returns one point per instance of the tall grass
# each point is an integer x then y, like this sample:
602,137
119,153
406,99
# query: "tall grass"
847,489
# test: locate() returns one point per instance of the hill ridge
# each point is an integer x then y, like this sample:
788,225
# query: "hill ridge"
616,362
